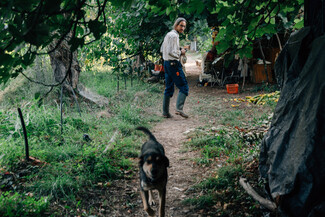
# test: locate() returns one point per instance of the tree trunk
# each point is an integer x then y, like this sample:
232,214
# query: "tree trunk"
60,61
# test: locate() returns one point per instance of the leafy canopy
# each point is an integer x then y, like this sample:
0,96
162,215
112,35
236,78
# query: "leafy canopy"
132,27
29,27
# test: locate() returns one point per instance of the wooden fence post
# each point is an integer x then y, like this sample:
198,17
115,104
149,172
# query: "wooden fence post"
25,134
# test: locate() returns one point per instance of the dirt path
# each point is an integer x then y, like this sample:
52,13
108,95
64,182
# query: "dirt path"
172,133
207,106
183,173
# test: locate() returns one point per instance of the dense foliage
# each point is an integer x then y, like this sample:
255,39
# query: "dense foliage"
131,27
29,27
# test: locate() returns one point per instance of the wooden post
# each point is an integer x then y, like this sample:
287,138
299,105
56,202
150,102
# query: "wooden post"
125,85
25,134
131,74
118,83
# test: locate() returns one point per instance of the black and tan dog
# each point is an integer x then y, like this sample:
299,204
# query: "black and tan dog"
153,173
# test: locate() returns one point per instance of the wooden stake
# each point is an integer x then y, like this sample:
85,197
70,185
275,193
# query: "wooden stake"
25,134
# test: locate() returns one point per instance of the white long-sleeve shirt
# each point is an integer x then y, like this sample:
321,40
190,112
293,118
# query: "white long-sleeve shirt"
170,47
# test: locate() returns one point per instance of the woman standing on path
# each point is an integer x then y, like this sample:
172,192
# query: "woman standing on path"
173,69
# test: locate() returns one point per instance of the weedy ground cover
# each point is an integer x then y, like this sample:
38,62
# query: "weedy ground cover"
67,164
229,144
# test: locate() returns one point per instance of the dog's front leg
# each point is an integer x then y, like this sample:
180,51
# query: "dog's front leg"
151,201
146,207
162,201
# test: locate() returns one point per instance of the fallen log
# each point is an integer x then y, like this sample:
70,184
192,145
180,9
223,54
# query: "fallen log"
264,202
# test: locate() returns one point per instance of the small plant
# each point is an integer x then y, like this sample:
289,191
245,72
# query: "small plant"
233,117
15,204
221,191
225,143
201,202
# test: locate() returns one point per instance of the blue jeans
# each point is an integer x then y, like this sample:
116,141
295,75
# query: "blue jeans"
174,75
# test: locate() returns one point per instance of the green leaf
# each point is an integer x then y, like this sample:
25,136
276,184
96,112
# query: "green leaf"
155,9
37,95
28,59
259,7
39,35
119,3
288,9
97,28
246,52
173,15
79,31
267,29
299,24
168,10
222,46
221,34
196,5
76,42
226,22
272,20
6,59
255,21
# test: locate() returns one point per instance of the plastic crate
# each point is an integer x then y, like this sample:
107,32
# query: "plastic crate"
232,88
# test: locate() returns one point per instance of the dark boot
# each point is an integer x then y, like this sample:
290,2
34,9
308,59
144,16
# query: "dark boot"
166,113
180,104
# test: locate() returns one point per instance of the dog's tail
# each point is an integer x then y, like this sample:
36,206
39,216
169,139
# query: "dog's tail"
146,131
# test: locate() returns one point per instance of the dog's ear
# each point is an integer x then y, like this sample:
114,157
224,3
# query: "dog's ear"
166,161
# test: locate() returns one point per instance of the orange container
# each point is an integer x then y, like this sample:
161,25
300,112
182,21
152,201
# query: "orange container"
232,88
159,68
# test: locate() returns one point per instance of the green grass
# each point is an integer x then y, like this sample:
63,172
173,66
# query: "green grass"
265,87
230,144
15,204
224,191
225,182
69,164
225,142
233,117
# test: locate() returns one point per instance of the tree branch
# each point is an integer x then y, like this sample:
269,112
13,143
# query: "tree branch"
264,202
